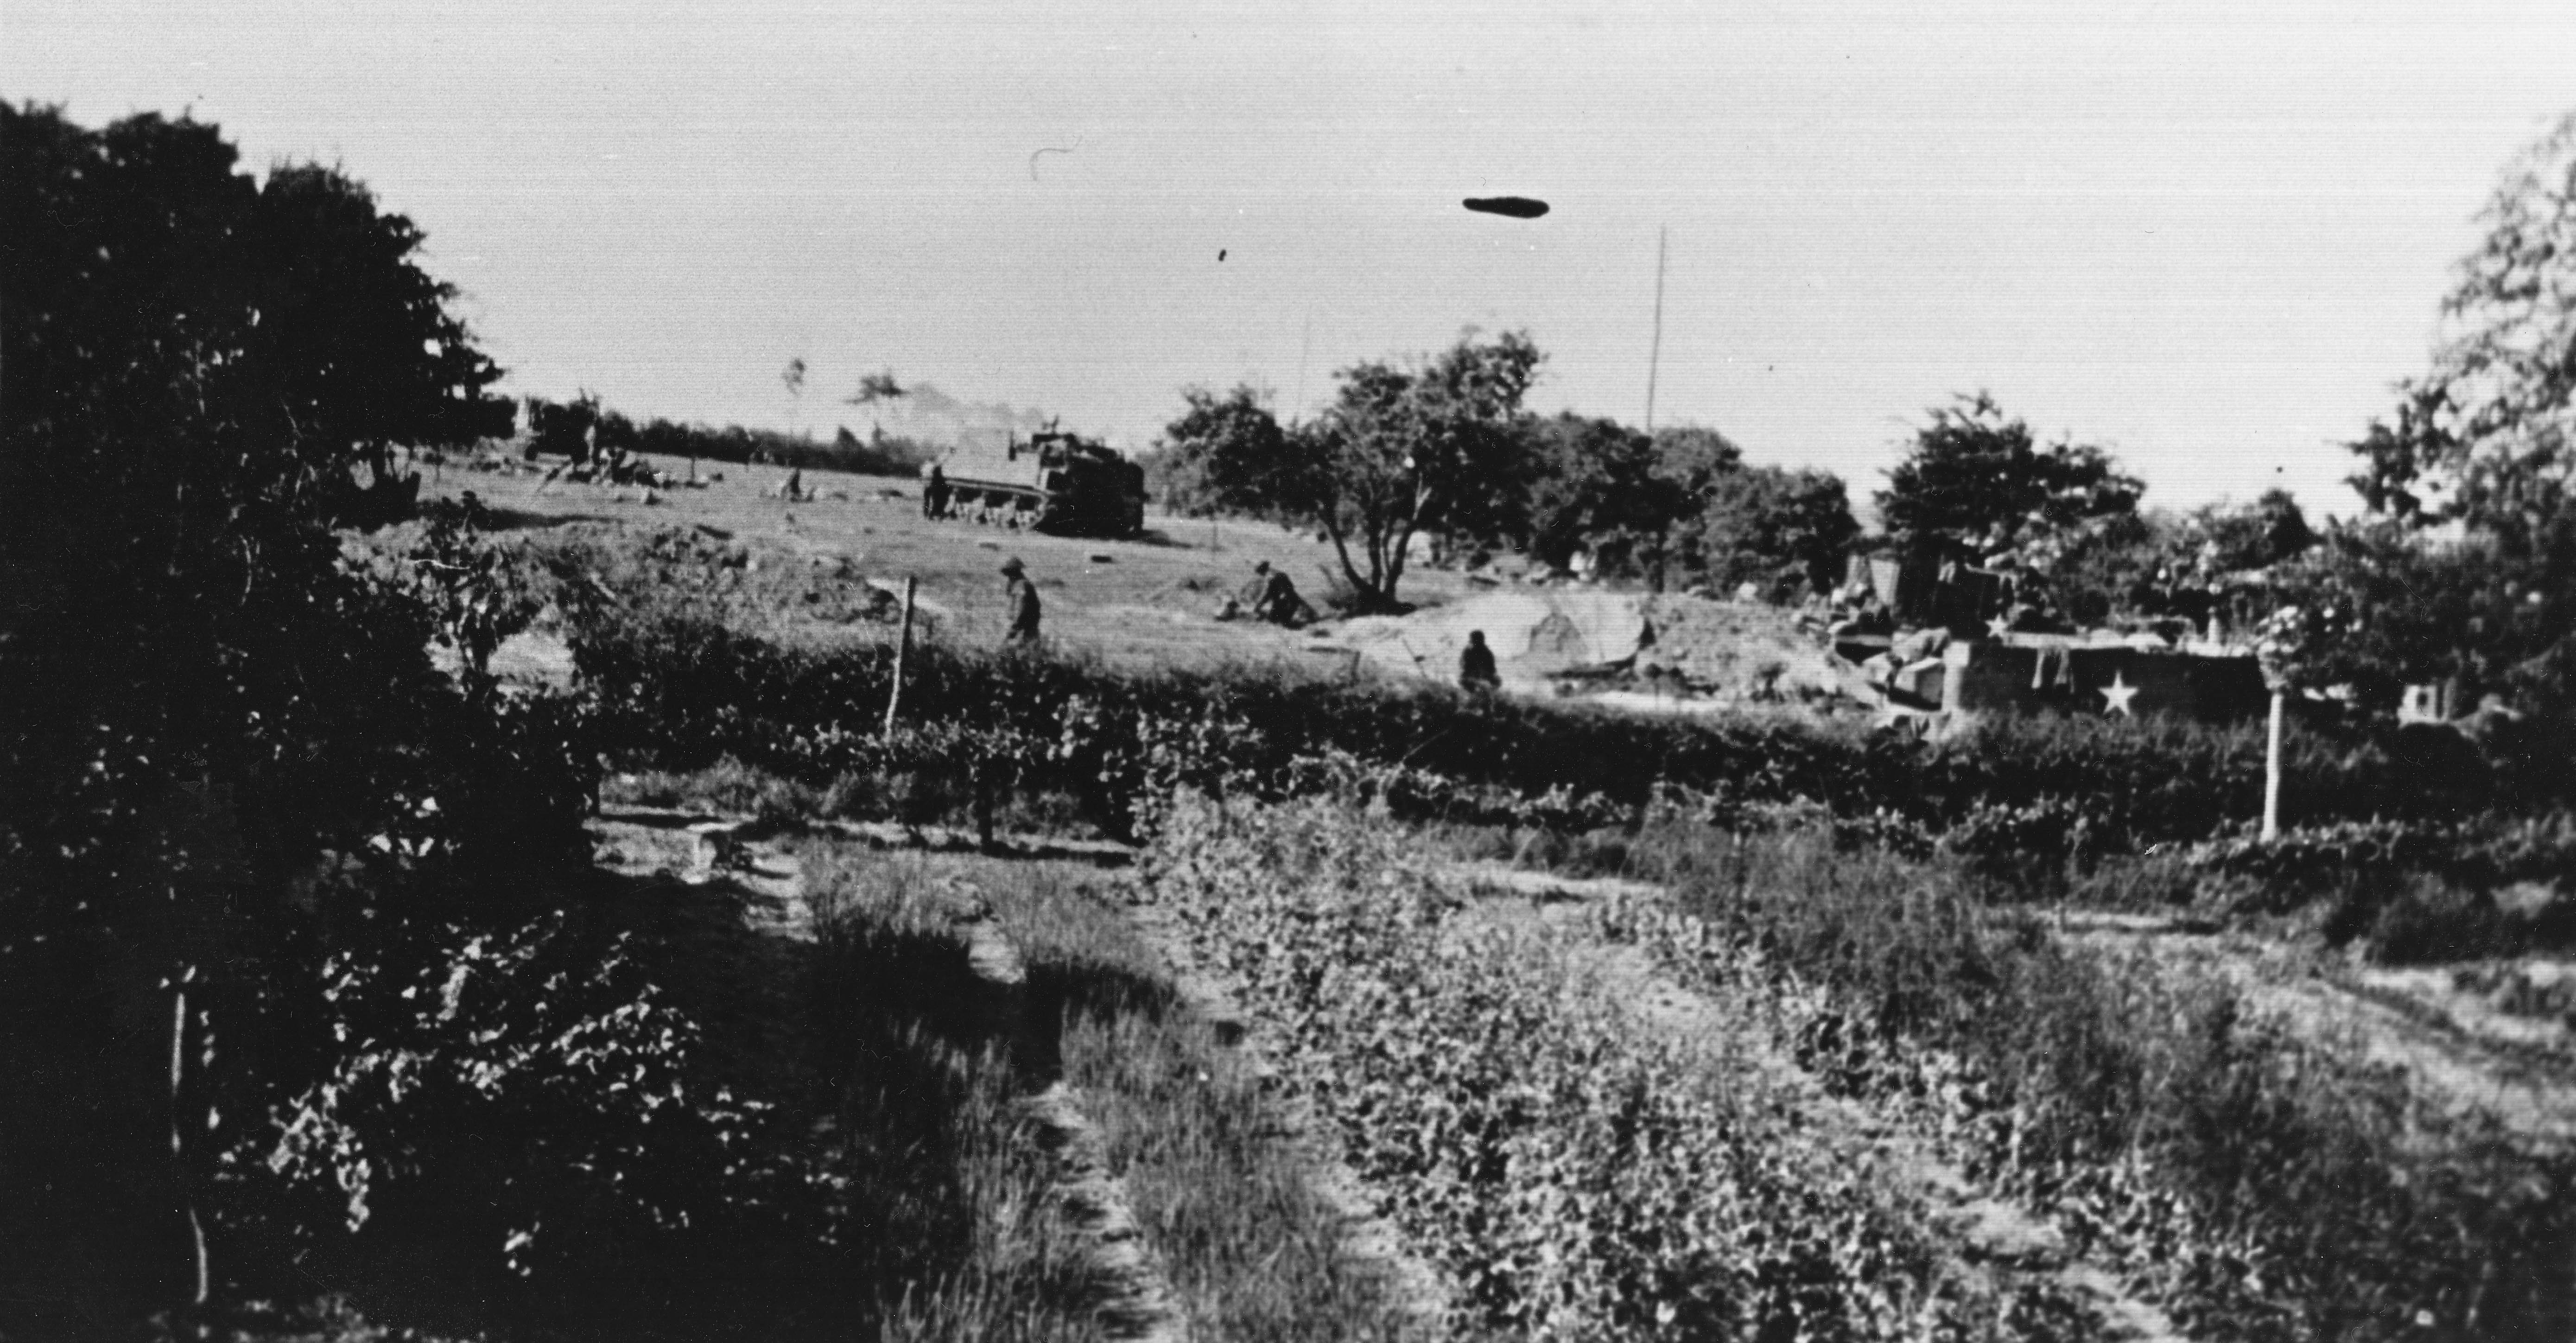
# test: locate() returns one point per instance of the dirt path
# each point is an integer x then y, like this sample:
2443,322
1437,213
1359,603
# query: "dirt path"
1137,1299
2440,1047
1997,1243
1137,1302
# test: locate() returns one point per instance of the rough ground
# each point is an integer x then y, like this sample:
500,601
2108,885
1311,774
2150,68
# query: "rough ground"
1147,601
1678,653
1997,1242
1136,1298
1153,601
2451,1045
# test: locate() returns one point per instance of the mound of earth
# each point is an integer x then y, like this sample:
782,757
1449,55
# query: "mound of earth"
1721,650
1535,634
1741,650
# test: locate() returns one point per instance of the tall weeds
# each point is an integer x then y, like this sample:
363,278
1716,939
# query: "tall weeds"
1219,1190
1579,1176
2280,1190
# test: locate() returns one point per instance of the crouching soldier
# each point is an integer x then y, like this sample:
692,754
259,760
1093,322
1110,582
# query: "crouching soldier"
1476,664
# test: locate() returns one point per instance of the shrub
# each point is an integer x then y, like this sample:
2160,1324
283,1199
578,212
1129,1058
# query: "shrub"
525,1094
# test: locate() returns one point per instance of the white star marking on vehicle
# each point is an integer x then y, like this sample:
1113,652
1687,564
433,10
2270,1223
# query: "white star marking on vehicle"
2116,696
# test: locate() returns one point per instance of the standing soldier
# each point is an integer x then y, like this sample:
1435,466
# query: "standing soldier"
1022,595
934,496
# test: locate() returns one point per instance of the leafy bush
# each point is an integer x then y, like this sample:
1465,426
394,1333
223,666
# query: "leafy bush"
207,705
525,1092
2481,852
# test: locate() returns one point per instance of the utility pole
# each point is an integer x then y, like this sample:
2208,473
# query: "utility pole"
1655,358
1305,349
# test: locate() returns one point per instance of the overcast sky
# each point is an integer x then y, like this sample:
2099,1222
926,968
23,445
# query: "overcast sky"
2207,236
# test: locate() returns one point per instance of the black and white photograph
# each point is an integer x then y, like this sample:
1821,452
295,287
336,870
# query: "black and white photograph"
1166,672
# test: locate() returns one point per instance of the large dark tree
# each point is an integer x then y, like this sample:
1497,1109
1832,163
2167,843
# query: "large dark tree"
2469,573
1784,531
1593,484
1411,445
1975,483
196,696
2488,434
1225,454
196,363
351,337
1405,446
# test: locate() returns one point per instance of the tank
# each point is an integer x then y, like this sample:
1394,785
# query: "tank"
1052,482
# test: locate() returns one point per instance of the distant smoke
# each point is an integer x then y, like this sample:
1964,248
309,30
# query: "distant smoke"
928,415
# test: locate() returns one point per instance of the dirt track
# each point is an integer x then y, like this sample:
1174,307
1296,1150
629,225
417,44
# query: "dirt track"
2496,1073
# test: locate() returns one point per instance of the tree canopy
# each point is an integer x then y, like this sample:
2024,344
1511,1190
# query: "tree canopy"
1781,530
1442,444
1227,454
196,362
1415,444
1975,483
2487,435
1433,441
2466,570
1594,484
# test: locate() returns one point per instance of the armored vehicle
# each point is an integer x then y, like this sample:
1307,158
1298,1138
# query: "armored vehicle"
1053,482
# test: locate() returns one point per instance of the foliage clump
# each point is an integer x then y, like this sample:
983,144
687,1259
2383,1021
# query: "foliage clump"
219,739
1576,1179
2270,1186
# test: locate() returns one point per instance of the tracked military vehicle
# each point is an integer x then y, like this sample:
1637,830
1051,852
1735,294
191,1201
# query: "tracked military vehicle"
1052,482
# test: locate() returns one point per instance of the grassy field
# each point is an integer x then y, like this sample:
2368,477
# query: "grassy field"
1148,601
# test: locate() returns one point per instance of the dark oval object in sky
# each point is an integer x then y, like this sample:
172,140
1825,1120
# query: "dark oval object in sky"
1518,207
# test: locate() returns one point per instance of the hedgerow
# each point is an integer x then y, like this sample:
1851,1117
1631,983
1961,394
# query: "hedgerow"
1576,1177
679,691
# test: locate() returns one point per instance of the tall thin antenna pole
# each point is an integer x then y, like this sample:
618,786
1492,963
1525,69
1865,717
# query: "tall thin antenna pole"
1305,347
1655,359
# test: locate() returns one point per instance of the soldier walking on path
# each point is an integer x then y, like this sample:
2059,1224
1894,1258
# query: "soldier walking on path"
1023,598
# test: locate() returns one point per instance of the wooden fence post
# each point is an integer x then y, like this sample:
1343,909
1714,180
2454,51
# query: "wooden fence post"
902,654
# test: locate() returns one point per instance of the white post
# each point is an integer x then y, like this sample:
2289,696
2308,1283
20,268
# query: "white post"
2272,772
